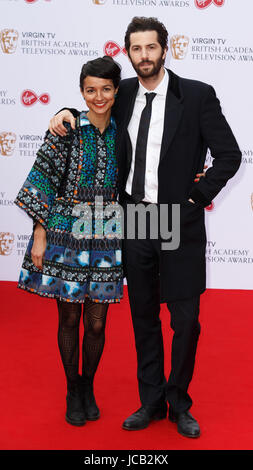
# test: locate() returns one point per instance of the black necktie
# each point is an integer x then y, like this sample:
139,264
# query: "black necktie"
138,191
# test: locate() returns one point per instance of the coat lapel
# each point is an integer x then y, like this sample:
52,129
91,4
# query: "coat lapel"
131,102
123,136
173,113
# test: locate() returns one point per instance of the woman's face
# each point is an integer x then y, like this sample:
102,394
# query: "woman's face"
99,94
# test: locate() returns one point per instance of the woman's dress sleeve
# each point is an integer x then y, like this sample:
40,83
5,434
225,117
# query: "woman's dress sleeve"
41,186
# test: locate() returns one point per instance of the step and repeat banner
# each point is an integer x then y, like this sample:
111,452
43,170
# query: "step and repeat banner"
43,45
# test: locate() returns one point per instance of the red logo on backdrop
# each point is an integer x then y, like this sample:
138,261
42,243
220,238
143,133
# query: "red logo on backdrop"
33,1
210,207
28,98
112,49
206,3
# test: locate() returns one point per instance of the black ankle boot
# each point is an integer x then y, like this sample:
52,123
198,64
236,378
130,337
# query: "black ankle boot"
90,407
75,414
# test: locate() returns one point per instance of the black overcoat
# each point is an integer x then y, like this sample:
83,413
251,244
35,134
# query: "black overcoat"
193,122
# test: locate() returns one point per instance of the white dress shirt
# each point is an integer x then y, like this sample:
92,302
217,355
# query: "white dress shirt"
154,137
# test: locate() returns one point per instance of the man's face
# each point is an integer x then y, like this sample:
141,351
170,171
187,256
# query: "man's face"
146,54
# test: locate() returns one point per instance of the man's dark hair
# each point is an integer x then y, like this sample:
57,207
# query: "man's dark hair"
141,23
103,67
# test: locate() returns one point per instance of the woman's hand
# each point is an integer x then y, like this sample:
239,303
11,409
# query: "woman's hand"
56,126
200,175
39,246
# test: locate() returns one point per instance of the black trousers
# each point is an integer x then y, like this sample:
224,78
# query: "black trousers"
141,259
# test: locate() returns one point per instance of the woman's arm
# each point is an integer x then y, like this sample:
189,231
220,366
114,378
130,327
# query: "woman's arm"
41,186
39,245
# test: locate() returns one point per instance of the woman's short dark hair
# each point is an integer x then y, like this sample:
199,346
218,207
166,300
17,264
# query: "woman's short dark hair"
141,23
103,67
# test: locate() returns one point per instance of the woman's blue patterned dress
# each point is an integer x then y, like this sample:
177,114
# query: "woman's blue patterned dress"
71,191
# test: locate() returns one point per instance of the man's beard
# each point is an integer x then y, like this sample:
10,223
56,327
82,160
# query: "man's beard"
151,72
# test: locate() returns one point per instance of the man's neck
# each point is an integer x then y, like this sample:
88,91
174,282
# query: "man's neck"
151,83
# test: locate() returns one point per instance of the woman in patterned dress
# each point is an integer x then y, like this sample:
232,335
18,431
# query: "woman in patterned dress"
74,254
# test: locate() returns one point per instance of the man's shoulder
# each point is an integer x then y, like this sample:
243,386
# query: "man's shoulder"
127,88
128,83
184,81
189,85
192,83
190,89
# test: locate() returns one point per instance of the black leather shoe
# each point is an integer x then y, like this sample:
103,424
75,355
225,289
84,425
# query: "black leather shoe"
75,412
91,409
186,424
143,417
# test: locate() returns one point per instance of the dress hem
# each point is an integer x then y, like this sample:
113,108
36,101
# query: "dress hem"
65,299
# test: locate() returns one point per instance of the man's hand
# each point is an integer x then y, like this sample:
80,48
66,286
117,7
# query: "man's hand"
39,246
56,126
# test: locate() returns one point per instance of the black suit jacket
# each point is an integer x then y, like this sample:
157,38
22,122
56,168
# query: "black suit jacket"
193,122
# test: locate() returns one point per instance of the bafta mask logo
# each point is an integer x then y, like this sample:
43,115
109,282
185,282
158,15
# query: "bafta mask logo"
201,4
179,46
7,143
99,2
6,243
9,40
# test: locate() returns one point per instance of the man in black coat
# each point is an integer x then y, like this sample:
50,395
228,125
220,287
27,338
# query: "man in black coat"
165,126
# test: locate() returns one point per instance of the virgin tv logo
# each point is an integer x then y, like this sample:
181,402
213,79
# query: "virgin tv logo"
201,4
33,1
112,49
29,97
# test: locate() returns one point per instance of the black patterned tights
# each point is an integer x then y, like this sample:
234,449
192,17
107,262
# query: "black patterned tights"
94,318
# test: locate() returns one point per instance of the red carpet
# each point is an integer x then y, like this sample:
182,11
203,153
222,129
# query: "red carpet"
32,388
